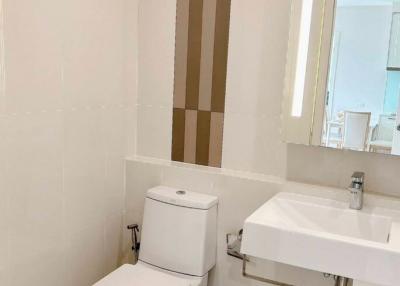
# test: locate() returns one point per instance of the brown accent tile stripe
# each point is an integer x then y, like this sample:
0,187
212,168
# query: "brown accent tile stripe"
202,35
220,55
207,54
181,51
190,136
178,134
216,139
194,54
203,137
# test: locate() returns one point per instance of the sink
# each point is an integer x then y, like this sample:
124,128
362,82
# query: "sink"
326,236
299,213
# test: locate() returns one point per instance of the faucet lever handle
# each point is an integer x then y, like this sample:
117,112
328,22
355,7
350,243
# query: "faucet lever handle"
358,177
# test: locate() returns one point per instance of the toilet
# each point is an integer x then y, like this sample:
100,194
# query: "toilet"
178,243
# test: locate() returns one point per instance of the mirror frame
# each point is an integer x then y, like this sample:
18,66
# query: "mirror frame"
306,129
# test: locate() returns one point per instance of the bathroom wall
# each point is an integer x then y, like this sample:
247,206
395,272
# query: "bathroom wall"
156,52
251,129
63,107
256,68
332,167
256,163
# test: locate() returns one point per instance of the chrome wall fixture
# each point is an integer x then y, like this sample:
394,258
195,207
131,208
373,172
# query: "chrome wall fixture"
257,278
234,242
134,228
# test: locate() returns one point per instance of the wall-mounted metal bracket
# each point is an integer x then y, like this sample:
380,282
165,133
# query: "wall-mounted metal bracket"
234,242
134,228
257,278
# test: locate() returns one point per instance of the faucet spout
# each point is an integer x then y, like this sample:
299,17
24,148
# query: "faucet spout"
357,191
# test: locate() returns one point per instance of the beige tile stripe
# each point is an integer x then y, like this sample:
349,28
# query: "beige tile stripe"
207,54
181,51
190,136
203,137
216,139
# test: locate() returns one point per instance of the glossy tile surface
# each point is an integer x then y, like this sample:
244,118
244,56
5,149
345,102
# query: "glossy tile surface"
64,111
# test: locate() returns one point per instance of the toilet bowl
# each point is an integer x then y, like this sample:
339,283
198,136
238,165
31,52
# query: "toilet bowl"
178,243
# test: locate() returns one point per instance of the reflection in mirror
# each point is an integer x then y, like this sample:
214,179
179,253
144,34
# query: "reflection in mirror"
363,86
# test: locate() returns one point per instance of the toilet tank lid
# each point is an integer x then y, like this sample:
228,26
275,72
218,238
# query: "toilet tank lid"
182,198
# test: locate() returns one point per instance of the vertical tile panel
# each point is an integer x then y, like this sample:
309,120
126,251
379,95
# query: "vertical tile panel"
220,55
200,80
178,135
190,136
207,54
203,137
181,52
194,53
216,136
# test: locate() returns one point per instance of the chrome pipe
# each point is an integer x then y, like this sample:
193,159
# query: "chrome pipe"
342,281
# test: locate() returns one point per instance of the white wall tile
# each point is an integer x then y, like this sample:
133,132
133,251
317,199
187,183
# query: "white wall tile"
156,52
140,178
113,122
3,189
252,143
4,221
33,54
34,180
85,258
156,55
46,267
114,189
84,169
154,132
113,241
4,278
186,179
131,130
131,46
334,168
257,55
93,52
255,83
4,257
67,120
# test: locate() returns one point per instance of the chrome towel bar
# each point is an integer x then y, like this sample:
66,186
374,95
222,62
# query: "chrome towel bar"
257,278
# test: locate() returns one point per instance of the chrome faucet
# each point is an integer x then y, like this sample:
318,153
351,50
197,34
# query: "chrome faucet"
357,190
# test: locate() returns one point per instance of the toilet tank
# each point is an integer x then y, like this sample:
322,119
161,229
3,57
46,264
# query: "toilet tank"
179,231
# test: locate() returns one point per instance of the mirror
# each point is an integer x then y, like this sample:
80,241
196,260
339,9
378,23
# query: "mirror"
344,92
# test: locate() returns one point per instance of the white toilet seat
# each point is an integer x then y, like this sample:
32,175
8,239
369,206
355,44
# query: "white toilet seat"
143,274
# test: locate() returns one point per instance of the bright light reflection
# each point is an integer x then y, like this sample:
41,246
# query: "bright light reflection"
302,57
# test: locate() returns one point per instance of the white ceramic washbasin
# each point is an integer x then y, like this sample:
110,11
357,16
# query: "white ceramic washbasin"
326,236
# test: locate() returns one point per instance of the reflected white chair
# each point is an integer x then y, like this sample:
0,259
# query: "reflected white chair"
356,130
383,140
337,124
